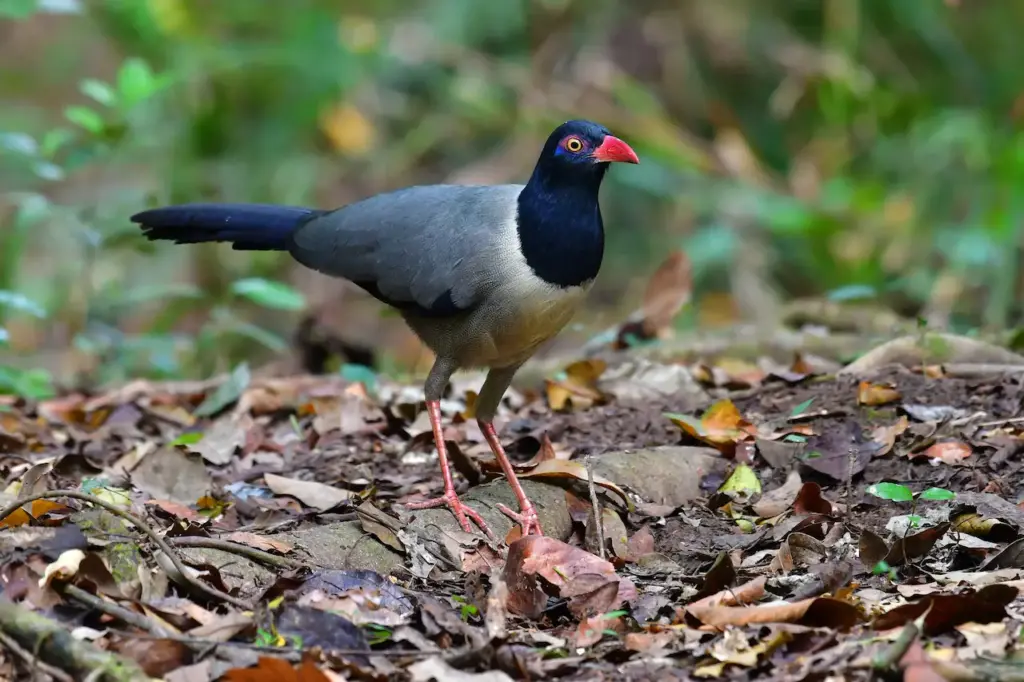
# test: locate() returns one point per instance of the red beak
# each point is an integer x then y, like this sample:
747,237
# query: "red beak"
614,149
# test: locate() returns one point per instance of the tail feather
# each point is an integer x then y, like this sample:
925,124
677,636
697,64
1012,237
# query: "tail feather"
247,227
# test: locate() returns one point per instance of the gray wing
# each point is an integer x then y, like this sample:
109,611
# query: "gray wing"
425,249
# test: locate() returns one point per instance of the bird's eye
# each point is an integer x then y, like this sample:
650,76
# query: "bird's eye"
574,144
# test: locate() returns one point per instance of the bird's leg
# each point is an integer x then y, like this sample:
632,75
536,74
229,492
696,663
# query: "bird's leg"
527,518
494,388
450,498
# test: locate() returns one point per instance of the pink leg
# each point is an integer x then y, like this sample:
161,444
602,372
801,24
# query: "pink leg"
450,499
528,517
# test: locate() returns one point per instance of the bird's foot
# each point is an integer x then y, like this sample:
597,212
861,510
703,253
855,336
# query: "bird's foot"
527,518
463,512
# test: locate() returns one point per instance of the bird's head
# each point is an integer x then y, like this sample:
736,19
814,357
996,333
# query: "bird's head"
581,151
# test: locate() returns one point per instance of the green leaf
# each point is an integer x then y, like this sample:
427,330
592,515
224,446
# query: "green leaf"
53,140
5,337
32,384
99,91
86,118
801,408
190,438
226,393
938,494
21,303
794,438
269,294
893,492
135,81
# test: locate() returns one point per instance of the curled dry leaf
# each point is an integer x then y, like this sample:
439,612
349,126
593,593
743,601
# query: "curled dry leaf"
37,509
721,426
667,292
560,468
578,387
776,501
64,568
816,612
317,495
558,565
949,452
266,543
810,501
872,394
747,593
945,611
886,436
641,543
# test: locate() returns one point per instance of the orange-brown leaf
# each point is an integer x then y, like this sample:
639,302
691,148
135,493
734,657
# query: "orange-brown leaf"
950,452
872,394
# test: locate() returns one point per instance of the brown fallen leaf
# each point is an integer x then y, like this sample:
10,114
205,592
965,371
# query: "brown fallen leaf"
810,501
949,452
886,436
816,612
945,611
873,394
593,629
641,543
667,292
560,468
776,501
176,509
747,593
317,495
556,564
264,542
270,669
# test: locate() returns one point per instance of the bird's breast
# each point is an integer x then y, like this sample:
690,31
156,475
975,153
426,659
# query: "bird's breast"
523,315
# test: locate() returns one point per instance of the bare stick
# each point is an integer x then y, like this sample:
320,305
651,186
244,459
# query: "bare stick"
257,555
33,662
596,505
185,572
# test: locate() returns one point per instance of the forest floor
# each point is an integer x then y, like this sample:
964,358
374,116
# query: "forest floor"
702,521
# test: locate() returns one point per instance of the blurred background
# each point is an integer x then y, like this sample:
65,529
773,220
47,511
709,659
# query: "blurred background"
848,151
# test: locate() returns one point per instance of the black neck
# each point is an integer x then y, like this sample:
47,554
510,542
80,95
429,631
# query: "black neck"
560,226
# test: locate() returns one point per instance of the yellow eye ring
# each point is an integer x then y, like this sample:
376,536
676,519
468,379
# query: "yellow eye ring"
573,144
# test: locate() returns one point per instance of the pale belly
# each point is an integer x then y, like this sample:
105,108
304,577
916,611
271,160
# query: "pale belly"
508,330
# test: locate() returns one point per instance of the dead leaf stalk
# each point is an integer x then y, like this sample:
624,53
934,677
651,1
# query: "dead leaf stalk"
598,521
257,555
33,661
185,572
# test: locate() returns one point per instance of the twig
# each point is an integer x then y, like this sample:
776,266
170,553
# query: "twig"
183,570
112,609
236,548
55,645
33,662
596,506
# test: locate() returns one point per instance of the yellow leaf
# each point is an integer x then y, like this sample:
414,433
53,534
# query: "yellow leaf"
64,568
743,480
348,131
876,394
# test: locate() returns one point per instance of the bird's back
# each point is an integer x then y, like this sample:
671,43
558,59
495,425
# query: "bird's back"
428,249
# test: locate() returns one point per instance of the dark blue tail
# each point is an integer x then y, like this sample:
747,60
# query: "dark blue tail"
248,227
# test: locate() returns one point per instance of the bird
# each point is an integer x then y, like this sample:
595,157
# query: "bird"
482,274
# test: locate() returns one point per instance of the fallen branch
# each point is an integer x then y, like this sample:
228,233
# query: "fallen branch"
186,574
34,632
32,660
257,555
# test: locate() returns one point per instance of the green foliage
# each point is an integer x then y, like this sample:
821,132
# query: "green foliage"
894,492
864,150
